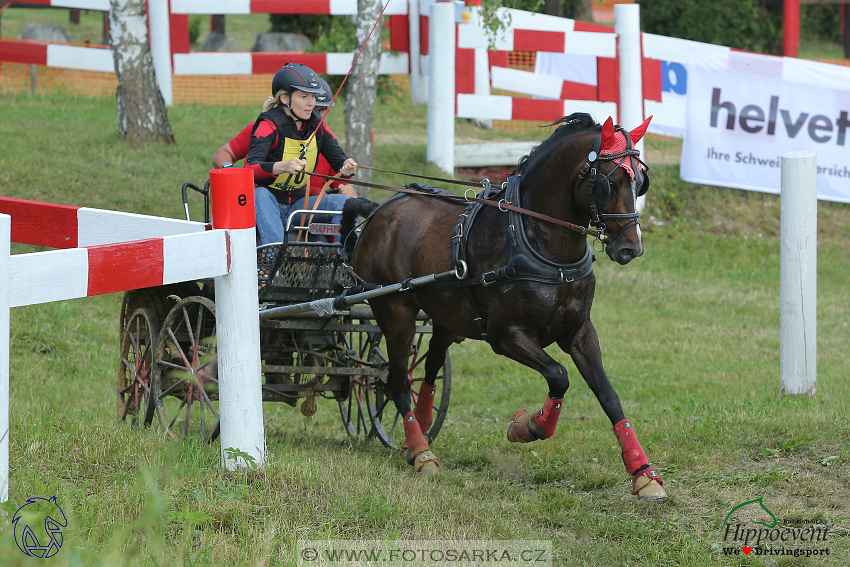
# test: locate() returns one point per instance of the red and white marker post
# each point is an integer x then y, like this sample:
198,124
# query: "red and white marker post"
238,322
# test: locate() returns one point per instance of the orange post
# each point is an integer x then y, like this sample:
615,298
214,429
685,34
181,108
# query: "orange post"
232,196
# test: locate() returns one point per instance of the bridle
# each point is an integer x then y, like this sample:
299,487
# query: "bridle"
600,187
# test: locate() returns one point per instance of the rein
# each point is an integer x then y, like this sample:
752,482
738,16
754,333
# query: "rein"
453,181
502,205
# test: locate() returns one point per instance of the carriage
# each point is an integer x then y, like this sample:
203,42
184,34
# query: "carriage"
490,267
167,374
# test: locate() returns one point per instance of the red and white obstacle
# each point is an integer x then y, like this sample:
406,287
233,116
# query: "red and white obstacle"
107,251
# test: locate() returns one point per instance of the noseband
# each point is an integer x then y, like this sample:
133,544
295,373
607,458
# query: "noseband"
600,187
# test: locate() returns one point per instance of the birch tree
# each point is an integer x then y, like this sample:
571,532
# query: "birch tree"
142,115
362,90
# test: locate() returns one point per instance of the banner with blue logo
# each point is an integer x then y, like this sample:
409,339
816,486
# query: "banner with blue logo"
745,110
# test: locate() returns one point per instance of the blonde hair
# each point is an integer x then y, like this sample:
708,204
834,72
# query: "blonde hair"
273,101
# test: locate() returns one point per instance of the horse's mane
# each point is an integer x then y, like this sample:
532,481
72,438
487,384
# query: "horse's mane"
571,125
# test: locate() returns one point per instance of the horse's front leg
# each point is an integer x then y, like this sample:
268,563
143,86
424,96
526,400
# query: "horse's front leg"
518,344
587,356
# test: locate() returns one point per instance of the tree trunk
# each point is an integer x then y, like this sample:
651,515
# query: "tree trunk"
362,89
217,24
142,114
552,7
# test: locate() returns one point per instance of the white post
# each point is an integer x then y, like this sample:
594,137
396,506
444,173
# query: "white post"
441,88
798,222
627,28
5,299
482,71
238,321
160,37
418,81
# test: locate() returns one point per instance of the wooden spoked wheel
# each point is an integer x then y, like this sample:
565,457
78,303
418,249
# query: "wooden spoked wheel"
185,385
387,422
136,367
365,352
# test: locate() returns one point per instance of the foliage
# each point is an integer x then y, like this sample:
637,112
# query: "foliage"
195,21
820,21
497,22
742,24
314,26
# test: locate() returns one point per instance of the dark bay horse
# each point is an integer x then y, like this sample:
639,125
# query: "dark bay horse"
582,172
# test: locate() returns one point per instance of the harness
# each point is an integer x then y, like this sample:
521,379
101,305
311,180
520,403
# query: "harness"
524,262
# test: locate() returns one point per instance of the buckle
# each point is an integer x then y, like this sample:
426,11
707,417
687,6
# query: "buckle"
490,274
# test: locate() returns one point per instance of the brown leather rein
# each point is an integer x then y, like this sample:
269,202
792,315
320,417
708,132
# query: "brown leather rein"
502,205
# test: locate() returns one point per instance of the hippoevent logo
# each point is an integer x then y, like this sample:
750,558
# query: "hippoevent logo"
750,528
38,527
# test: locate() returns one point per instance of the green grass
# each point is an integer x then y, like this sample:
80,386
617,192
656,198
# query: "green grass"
689,332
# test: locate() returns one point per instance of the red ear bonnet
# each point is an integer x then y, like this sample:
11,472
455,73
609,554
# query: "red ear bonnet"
638,132
608,135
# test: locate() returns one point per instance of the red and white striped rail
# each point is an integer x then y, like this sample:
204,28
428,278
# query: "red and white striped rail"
332,7
106,251
57,55
197,63
100,5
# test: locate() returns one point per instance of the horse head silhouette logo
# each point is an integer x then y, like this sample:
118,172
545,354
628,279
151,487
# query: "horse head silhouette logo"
761,505
38,527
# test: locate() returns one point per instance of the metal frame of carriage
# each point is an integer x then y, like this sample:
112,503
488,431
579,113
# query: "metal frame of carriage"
167,375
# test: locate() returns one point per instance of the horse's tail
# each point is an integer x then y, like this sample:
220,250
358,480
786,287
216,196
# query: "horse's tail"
354,208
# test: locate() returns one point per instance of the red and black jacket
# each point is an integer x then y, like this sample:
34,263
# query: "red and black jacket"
272,131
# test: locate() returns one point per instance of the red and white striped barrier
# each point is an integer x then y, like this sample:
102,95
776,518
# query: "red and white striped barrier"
539,32
331,7
56,55
107,251
100,5
257,63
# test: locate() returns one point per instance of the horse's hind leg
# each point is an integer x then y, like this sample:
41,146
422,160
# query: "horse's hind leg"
587,356
397,320
441,339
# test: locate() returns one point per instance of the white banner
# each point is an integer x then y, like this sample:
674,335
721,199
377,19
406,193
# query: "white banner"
745,110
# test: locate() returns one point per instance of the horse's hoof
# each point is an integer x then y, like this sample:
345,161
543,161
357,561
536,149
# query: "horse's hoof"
648,489
518,428
425,463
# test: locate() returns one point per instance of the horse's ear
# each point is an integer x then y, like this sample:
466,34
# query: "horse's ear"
638,132
608,134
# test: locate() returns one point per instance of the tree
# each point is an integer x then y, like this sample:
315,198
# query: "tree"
362,89
142,115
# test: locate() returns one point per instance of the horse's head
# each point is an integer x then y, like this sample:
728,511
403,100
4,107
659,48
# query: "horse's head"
608,185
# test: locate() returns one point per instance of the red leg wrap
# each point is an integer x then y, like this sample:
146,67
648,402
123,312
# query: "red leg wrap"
633,456
413,433
424,410
546,419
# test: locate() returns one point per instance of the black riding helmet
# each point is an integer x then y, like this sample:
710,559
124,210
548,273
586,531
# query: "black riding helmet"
325,98
295,76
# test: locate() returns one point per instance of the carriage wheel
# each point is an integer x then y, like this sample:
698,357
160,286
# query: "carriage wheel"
355,412
387,422
135,369
185,385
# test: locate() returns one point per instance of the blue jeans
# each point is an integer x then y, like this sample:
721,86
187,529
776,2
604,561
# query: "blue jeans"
271,215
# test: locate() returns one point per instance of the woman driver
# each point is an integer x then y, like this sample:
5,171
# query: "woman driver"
277,145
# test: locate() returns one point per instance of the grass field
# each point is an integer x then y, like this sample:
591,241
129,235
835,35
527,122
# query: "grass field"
690,335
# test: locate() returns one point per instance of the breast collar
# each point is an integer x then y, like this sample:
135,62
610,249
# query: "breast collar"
525,263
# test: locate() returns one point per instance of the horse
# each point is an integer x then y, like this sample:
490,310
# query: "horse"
532,279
